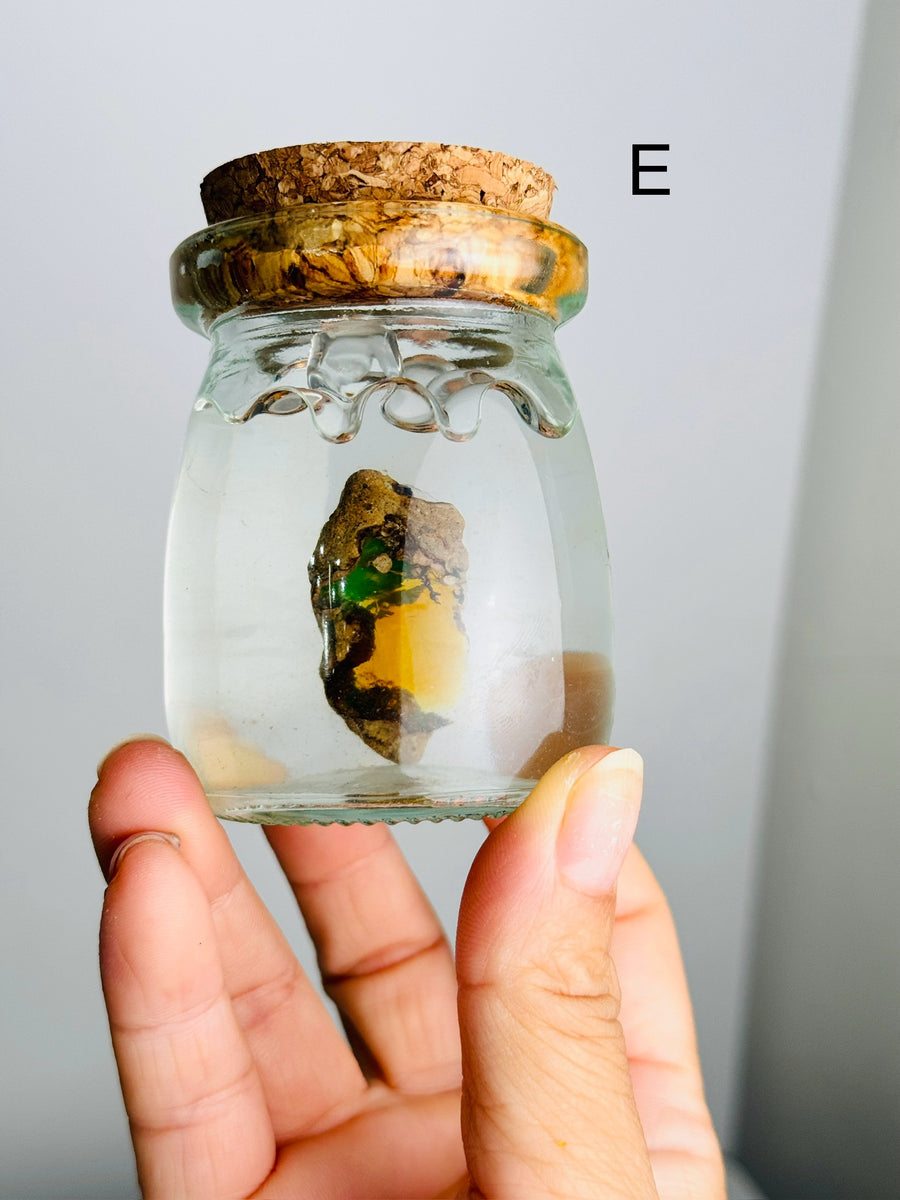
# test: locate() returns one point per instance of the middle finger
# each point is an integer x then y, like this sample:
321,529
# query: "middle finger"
384,958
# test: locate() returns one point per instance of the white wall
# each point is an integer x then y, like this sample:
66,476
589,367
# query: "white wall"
692,360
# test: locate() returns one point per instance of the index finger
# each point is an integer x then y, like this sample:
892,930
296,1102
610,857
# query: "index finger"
187,1075
656,1007
306,1067
658,1023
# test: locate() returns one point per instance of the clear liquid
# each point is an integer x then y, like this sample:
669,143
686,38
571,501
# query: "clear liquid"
245,700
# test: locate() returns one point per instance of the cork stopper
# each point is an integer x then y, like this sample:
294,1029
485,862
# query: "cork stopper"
329,172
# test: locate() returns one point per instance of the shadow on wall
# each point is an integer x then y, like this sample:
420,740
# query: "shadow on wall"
821,1105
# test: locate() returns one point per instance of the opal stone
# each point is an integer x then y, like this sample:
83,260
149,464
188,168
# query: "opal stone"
387,584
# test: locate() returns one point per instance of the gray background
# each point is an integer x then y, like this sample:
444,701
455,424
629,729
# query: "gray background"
821,1100
695,362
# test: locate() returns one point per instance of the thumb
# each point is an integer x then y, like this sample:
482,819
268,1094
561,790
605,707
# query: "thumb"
548,1108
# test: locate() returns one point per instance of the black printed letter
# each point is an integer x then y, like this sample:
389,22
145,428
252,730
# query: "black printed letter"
636,168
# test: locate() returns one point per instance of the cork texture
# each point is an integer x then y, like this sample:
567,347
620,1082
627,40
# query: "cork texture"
333,172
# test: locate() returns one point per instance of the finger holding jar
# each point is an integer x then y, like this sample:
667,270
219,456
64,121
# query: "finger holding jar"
573,1041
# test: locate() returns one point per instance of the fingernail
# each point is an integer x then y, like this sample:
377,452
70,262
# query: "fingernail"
149,835
599,822
133,737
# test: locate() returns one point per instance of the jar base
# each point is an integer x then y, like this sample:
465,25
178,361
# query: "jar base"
388,795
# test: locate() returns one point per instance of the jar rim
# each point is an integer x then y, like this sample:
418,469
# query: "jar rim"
372,251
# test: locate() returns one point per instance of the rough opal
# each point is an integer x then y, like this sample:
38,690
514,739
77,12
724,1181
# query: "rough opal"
387,586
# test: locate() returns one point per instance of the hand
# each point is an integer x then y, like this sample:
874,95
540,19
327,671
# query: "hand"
237,1082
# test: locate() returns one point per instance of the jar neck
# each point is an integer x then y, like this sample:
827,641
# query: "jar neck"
427,363
372,252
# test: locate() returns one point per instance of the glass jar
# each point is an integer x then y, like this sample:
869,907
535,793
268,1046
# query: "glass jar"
387,583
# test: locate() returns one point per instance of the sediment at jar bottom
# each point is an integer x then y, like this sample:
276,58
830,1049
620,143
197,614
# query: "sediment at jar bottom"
387,580
376,794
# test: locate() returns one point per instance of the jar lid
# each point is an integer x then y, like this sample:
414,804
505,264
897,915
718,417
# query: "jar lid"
334,172
374,223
